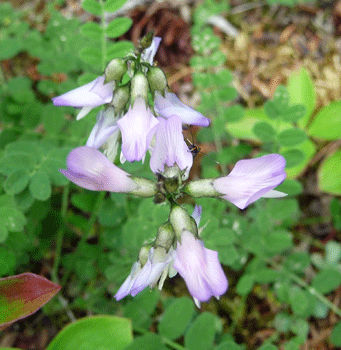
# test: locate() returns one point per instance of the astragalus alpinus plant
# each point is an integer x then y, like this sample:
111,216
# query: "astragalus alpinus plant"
141,115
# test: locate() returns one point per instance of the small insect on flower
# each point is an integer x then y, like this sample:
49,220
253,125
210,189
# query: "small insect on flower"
192,147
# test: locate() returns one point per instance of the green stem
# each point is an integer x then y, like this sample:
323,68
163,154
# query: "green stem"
60,234
104,37
310,289
165,340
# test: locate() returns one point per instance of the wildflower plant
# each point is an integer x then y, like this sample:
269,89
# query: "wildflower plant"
141,115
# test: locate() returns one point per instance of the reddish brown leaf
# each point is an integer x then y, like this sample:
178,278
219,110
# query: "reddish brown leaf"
22,295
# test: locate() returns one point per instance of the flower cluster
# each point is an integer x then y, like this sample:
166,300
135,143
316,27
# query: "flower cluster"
130,121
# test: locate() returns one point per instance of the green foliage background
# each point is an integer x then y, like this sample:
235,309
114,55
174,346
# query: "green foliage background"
88,241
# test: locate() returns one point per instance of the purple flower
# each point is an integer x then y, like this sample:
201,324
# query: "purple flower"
252,179
137,128
89,168
200,268
87,97
170,147
170,105
103,129
148,275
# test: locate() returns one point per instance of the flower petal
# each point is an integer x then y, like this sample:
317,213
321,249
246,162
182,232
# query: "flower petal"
125,288
92,94
200,268
90,169
150,52
170,147
251,179
135,127
103,129
196,215
171,105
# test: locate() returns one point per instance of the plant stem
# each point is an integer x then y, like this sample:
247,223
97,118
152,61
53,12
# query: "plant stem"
104,37
60,234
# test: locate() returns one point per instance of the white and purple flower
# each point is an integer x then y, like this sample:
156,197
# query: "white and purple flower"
252,179
89,168
156,267
87,97
170,147
200,268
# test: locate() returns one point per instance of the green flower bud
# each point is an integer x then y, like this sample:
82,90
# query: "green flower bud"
120,98
157,80
165,236
201,188
181,221
147,40
115,70
144,253
147,188
139,87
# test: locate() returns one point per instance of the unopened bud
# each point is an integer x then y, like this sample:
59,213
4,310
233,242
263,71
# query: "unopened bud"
139,87
147,188
144,254
120,98
165,236
157,80
201,188
147,40
115,70
181,220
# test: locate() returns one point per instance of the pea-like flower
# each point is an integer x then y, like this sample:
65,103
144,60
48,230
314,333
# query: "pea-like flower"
170,105
200,268
89,168
87,97
170,147
252,179
137,128
157,265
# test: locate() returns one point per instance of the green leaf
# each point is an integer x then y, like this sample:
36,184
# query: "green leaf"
332,252
119,49
291,137
329,174
290,187
16,182
150,341
299,300
272,110
335,337
293,157
283,209
22,295
297,262
91,55
234,113
300,327
92,6
327,280
176,318
200,335
301,90
278,241
281,97
10,47
327,123
113,5
96,332
118,27
3,232
264,131
12,218
245,284
294,113
92,30
40,186
282,322
16,162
